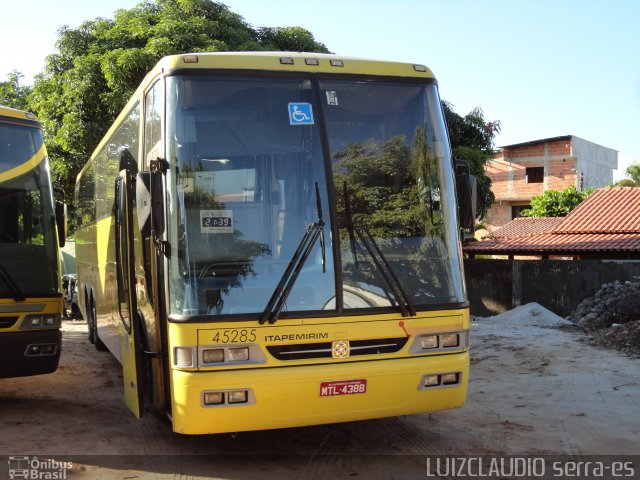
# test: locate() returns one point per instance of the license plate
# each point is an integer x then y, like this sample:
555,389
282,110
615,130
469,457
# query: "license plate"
343,387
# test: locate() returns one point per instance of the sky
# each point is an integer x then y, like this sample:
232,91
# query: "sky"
543,68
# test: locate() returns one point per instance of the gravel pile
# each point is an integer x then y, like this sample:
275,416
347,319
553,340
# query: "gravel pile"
612,316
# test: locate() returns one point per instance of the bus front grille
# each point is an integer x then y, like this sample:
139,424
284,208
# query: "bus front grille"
324,350
7,322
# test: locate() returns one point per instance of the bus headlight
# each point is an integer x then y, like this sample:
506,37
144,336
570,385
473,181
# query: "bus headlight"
449,340
431,380
213,355
238,354
238,396
429,341
213,398
449,378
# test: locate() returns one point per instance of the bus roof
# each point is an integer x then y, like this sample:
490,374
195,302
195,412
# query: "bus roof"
293,62
14,113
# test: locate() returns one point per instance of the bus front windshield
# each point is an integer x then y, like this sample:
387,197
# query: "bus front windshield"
27,223
258,161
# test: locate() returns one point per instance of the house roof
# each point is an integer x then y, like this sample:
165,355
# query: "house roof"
608,210
522,226
536,142
607,221
546,243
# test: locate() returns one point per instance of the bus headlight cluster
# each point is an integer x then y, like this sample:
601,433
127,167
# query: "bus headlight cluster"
220,398
433,380
443,340
222,355
440,342
40,321
41,349
217,355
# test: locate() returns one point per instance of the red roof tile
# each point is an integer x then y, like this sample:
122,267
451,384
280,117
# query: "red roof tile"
608,210
607,221
561,243
526,226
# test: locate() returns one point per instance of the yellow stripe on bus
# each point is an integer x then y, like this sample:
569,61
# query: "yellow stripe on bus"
24,167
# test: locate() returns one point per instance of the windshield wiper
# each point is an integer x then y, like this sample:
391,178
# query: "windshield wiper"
391,279
290,275
17,294
402,299
349,223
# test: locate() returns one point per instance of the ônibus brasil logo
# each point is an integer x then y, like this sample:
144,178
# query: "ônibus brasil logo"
35,469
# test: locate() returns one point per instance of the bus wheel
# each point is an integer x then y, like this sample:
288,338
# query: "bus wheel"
91,336
93,327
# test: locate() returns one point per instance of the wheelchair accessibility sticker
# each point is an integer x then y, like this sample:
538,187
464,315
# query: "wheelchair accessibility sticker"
300,114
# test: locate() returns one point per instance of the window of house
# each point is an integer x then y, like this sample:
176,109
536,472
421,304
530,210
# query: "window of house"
516,210
535,174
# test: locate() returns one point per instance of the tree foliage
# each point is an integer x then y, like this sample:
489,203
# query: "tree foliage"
14,95
633,172
97,66
626,182
472,141
555,203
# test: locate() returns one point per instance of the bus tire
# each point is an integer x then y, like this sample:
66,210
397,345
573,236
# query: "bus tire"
90,329
101,347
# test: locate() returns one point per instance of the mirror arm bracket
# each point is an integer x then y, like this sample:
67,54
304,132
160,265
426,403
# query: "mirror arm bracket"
159,165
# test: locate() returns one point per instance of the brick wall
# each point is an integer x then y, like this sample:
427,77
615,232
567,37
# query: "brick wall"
561,174
508,170
498,214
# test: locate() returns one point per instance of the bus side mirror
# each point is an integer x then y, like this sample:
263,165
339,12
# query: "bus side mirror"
61,222
143,202
149,203
467,190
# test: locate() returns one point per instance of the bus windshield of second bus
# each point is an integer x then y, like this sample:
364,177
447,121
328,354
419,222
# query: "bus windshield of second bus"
251,179
30,297
28,241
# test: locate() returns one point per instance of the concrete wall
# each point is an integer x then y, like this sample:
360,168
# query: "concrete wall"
495,286
595,162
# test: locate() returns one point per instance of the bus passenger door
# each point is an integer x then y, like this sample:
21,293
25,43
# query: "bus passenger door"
130,346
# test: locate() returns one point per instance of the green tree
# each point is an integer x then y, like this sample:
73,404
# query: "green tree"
633,172
472,141
97,66
626,182
14,95
555,203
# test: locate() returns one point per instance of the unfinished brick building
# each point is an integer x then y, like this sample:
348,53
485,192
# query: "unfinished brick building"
523,170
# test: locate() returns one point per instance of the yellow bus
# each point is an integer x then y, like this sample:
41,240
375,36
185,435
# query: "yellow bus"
30,282
271,240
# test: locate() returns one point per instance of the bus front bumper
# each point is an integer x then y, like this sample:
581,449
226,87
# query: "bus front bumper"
283,397
29,352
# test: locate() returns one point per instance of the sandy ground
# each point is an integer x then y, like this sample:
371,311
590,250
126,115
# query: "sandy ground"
536,388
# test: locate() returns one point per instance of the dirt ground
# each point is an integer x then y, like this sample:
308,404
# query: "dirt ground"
536,387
